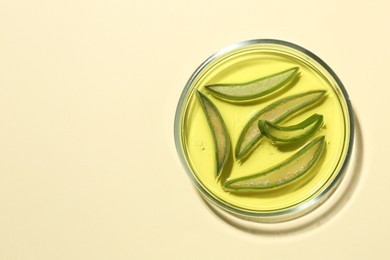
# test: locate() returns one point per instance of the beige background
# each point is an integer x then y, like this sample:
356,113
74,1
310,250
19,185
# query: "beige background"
88,91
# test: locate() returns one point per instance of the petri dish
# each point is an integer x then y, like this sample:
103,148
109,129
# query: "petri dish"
215,170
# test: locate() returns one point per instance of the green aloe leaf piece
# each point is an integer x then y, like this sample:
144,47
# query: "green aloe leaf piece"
218,129
282,173
291,133
274,113
256,88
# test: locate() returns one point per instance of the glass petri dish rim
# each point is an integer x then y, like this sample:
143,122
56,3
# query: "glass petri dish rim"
276,216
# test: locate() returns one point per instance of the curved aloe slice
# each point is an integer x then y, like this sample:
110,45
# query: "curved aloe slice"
275,113
283,173
292,133
218,128
256,88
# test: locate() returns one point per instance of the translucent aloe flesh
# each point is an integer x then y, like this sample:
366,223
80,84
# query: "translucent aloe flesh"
275,113
218,129
282,173
255,88
291,133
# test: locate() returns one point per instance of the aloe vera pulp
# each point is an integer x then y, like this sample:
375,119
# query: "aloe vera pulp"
198,140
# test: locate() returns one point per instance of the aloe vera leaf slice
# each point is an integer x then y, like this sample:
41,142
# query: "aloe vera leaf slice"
256,88
282,173
275,113
291,133
218,129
